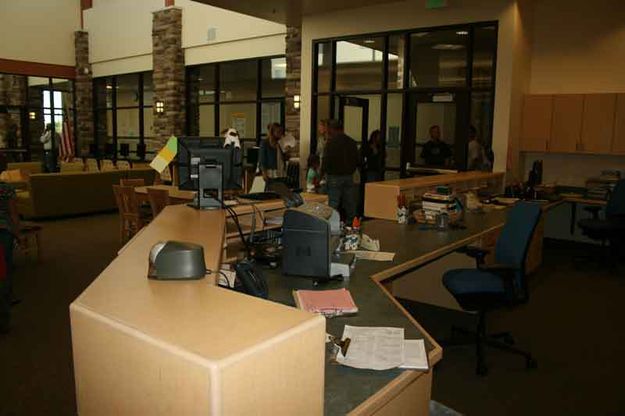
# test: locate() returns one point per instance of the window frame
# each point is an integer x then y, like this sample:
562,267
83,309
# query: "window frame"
406,89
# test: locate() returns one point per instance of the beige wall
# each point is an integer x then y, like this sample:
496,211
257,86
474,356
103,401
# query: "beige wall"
579,46
410,15
120,35
39,31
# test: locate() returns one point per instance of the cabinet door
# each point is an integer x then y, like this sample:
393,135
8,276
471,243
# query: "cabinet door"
536,122
618,145
566,124
598,123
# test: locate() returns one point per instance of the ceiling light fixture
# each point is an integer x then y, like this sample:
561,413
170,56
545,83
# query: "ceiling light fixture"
447,47
462,32
369,41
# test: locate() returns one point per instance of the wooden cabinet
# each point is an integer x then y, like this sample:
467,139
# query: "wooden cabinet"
618,144
598,123
566,123
536,124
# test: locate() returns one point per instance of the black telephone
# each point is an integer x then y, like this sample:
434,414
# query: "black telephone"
251,278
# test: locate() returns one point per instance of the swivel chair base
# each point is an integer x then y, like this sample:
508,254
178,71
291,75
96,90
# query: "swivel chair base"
502,341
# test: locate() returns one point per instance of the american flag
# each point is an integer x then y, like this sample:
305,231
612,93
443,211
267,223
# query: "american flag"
66,148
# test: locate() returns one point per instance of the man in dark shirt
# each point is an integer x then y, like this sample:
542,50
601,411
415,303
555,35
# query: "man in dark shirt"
436,152
340,160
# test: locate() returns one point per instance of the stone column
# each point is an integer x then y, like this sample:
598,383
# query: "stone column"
293,77
13,90
169,74
83,89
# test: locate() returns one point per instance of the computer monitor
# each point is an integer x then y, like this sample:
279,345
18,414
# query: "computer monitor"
207,167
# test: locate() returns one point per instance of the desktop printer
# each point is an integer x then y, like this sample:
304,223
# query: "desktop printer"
310,236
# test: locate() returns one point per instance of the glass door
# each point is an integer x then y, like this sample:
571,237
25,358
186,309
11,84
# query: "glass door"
354,112
436,130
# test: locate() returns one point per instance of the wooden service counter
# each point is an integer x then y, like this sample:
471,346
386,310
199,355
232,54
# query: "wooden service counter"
153,347
381,197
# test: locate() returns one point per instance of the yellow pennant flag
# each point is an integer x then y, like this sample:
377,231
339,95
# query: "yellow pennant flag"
166,155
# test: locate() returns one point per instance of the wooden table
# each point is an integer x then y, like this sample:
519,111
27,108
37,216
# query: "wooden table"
176,196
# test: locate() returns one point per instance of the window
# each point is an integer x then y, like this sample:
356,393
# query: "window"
123,116
359,64
406,79
438,58
251,95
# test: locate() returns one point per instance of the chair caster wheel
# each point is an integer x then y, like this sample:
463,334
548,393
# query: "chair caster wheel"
531,364
481,370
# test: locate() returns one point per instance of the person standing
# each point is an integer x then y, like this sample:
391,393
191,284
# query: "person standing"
340,161
9,228
268,153
435,151
373,156
322,137
476,155
49,157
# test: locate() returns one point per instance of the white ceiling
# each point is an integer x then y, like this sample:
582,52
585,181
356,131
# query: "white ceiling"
288,11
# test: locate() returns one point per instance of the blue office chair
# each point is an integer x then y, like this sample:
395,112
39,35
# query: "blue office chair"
503,284
611,228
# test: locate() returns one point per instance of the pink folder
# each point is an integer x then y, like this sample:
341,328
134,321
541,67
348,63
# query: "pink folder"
327,302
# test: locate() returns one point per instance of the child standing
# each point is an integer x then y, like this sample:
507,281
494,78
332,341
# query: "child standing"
312,176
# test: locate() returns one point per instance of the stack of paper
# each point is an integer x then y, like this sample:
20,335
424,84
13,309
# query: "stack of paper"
382,348
327,302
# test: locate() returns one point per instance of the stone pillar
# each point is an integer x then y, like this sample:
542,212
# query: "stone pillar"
169,73
83,88
13,92
293,77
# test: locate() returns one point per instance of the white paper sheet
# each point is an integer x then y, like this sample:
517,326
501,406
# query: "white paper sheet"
373,255
415,356
375,348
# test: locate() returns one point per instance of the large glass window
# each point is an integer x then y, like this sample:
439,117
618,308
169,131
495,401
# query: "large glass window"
438,58
251,95
359,64
30,104
427,71
123,116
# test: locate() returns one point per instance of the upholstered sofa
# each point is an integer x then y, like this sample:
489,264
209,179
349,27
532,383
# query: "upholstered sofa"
50,195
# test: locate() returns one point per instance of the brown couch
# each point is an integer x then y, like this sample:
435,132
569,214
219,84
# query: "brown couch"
71,193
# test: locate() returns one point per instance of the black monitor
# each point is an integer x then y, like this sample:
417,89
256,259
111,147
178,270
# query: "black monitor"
204,165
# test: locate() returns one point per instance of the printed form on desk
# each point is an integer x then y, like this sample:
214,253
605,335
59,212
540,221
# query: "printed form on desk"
375,348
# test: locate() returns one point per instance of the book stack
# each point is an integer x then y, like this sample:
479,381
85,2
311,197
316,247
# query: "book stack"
434,203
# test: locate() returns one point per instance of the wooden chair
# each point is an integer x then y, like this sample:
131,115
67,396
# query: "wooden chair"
92,165
123,165
159,199
30,233
132,182
131,220
107,165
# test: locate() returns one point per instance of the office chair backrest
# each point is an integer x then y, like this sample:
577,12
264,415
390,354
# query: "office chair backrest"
514,240
616,203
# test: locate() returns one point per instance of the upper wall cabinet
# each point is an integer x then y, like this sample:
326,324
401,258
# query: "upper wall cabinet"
566,124
536,125
598,123
618,145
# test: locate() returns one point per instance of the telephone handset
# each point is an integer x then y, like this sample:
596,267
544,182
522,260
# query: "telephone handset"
252,280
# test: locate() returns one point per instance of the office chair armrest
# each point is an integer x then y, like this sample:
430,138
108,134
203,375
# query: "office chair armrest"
476,253
594,210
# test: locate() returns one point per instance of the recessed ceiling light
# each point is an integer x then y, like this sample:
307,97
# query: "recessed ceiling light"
369,41
462,32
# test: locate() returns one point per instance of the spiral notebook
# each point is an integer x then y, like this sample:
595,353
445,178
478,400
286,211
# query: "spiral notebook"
327,302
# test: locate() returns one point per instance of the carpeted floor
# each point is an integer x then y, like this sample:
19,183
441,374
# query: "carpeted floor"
573,325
